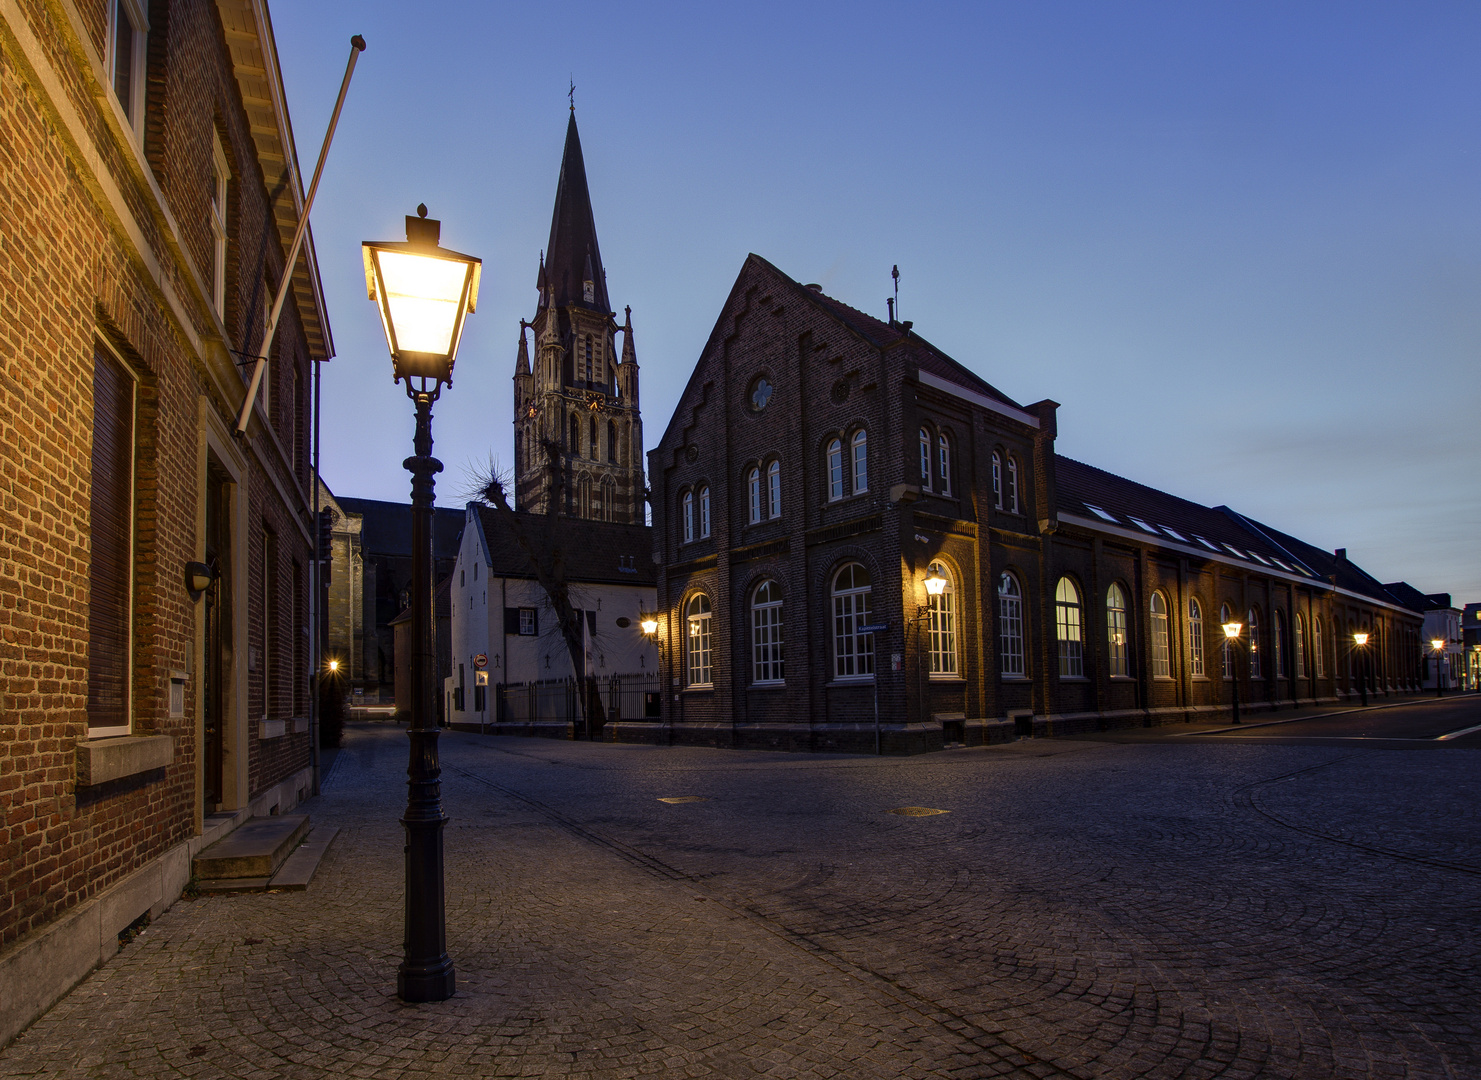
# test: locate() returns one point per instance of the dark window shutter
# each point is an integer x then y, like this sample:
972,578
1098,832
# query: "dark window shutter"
591,623
511,620
111,524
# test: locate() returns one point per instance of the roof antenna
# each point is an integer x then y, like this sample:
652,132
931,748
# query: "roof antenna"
572,95
895,273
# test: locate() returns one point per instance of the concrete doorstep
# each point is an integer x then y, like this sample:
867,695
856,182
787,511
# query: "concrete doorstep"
247,860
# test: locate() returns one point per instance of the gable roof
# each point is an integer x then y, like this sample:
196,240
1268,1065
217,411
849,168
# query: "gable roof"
385,527
595,552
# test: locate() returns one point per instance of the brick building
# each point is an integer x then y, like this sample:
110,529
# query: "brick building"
822,465
149,197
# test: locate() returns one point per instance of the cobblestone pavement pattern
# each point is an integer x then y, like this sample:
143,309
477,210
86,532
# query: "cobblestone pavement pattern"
1084,910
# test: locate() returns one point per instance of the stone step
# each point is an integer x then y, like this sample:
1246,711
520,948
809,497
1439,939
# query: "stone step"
255,850
298,869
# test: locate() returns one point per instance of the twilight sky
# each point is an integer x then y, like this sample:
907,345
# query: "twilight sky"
1240,243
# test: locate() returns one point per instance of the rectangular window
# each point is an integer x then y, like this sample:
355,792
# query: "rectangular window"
220,174
111,562
126,59
835,470
853,651
529,625
1161,655
1071,646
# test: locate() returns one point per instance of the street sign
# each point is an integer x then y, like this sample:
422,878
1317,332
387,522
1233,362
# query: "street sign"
480,678
874,628
481,660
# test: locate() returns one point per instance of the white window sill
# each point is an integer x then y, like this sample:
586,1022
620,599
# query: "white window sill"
769,684
101,760
947,679
851,680
1015,678
705,687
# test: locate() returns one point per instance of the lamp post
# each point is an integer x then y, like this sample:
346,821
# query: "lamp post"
1438,644
424,292
1231,640
1360,642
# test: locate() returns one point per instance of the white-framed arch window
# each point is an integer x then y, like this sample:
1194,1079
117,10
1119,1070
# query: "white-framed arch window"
835,470
925,459
1069,629
1012,484
859,445
997,480
853,651
688,516
753,493
1300,649
1277,644
774,490
1010,628
700,649
1318,656
704,512
941,624
766,634
1195,638
943,463
1225,618
1157,627
1252,623
1116,632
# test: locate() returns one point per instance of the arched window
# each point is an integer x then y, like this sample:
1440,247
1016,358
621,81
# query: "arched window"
575,436
588,361
593,429
583,496
1116,632
753,490
997,480
704,512
853,652
1010,627
1253,622
925,459
1300,650
688,516
835,469
766,633
861,461
941,624
1225,617
1157,625
611,441
1068,628
1318,656
774,490
698,612
609,499
1195,638
1012,485
943,463
1277,644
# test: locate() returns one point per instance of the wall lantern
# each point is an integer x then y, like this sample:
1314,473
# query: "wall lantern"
1438,644
1360,639
935,583
423,292
198,578
1232,629
649,625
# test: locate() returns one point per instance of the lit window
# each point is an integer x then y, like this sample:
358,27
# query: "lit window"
861,462
753,487
835,469
704,512
1012,485
774,490
1253,622
698,613
925,459
941,624
1116,631
126,59
997,481
766,634
1067,627
1195,638
943,463
1161,660
853,652
1010,627
688,516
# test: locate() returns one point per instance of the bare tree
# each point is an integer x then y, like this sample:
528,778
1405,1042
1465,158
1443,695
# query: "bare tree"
543,544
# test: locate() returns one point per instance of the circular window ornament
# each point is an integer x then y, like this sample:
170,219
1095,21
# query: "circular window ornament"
624,622
761,391
691,453
840,391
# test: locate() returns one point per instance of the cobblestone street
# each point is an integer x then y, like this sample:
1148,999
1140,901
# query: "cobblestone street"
1173,908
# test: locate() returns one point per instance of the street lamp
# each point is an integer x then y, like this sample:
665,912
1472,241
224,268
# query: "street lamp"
1231,638
1438,644
1360,640
424,292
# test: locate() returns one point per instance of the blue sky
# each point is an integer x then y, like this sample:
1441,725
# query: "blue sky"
1239,243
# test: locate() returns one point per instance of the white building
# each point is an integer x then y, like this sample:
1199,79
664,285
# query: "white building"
1442,622
500,612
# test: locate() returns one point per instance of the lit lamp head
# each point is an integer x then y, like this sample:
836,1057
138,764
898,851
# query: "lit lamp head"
1232,629
649,625
333,666
1359,639
424,292
1438,644
935,582
198,578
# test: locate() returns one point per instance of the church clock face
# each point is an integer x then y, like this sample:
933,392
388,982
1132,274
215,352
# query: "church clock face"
595,401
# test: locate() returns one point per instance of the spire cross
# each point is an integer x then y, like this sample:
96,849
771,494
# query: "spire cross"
572,95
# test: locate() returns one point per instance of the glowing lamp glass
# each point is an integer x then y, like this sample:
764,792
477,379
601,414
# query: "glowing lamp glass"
650,626
935,584
1232,629
1360,639
420,300
1438,644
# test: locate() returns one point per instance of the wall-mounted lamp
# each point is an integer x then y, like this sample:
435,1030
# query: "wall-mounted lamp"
1232,629
935,583
649,625
198,578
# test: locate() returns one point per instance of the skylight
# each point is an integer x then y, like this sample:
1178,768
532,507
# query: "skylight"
1098,512
1139,523
1259,558
1173,533
1283,566
1235,552
1205,543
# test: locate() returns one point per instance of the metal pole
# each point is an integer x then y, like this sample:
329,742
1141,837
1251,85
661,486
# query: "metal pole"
1363,676
1234,663
426,972
357,46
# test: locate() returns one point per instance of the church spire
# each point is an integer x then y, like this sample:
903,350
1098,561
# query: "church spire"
573,255
522,364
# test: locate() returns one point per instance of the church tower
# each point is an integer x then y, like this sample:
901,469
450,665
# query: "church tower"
579,399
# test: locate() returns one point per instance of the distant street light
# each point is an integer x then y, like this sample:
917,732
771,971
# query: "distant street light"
1438,644
1231,641
424,292
1360,641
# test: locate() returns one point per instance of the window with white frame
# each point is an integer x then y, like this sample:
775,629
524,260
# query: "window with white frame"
853,652
220,176
753,491
1157,625
688,516
1300,650
704,512
925,459
860,443
1252,620
774,490
1012,485
1010,628
1318,657
943,463
1225,617
1277,644
126,56
1069,630
1116,632
766,634
700,657
835,469
997,480
1195,638
941,624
